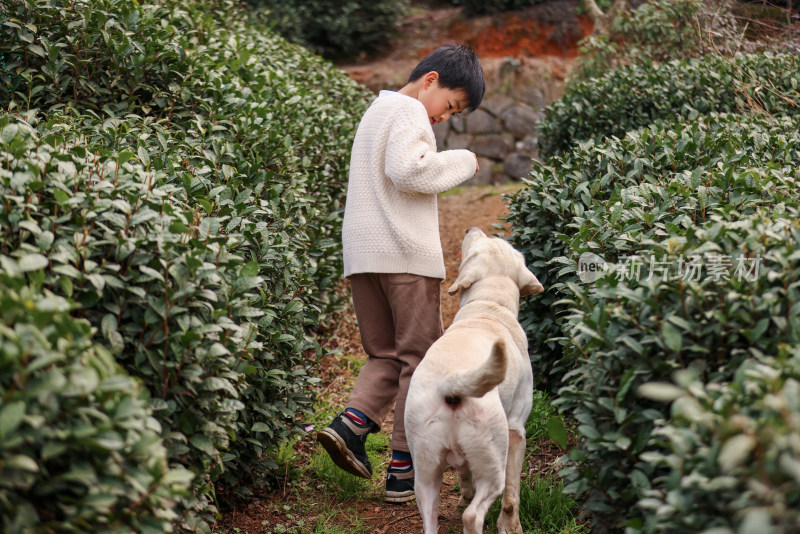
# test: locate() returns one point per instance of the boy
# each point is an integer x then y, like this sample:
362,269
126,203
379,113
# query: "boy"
392,253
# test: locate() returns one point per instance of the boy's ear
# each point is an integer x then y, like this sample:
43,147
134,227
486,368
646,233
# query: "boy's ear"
430,78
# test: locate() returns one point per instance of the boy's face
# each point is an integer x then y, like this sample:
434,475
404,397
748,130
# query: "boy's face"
441,103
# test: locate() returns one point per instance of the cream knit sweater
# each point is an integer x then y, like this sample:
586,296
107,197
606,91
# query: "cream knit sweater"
391,220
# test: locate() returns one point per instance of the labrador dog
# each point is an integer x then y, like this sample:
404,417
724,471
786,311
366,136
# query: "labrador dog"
470,397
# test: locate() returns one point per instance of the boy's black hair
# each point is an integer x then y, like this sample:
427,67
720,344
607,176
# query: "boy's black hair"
458,68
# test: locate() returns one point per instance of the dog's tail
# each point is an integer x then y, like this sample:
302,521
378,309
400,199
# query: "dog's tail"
478,381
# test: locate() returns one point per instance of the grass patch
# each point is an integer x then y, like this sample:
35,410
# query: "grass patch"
326,524
543,508
345,485
509,187
542,411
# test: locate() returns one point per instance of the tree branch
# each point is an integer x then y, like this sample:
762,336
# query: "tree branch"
603,22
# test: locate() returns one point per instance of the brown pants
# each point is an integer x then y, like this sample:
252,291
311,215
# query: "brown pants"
399,317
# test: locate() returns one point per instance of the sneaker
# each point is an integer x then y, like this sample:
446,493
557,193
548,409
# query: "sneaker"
344,440
400,485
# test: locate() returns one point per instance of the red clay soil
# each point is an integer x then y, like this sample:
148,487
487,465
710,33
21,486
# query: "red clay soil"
518,35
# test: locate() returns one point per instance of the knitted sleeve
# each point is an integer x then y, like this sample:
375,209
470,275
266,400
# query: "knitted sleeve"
415,167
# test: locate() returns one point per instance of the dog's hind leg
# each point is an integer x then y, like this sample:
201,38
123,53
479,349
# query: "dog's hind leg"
427,485
466,484
508,523
486,492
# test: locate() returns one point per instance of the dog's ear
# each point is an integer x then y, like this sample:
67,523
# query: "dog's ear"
529,284
462,282
467,274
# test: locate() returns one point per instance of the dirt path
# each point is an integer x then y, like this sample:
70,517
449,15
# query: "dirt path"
299,504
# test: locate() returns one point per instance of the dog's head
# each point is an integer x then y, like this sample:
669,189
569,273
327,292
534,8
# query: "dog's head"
484,257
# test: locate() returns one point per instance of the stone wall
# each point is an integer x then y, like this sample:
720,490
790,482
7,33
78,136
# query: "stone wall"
503,130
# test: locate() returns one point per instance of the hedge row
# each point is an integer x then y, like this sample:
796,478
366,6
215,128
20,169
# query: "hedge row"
692,227
177,173
697,165
718,191
79,448
624,333
352,28
634,96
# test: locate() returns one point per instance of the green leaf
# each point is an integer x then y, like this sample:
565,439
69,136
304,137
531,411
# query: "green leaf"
659,391
735,451
20,461
124,157
589,431
61,196
261,427
557,431
293,306
38,50
203,443
10,417
33,262
250,269
8,133
672,336
144,157
108,325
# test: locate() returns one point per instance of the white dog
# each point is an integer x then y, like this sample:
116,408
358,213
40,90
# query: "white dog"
471,395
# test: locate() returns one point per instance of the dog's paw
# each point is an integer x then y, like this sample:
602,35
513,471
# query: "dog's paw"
507,525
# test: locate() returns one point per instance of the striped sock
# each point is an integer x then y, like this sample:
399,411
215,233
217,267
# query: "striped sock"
401,462
357,417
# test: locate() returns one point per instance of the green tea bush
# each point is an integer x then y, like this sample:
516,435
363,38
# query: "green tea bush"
87,53
153,274
624,333
664,30
592,180
191,208
338,30
717,188
79,448
634,96
729,450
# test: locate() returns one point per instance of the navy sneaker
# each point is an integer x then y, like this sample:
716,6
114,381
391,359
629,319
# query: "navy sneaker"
344,440
400,485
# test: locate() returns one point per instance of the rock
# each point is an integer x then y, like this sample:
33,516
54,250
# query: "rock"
455,141
440,130
535,98
528,144
517,165
521,120
493,145
497,104
481,122
458,123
